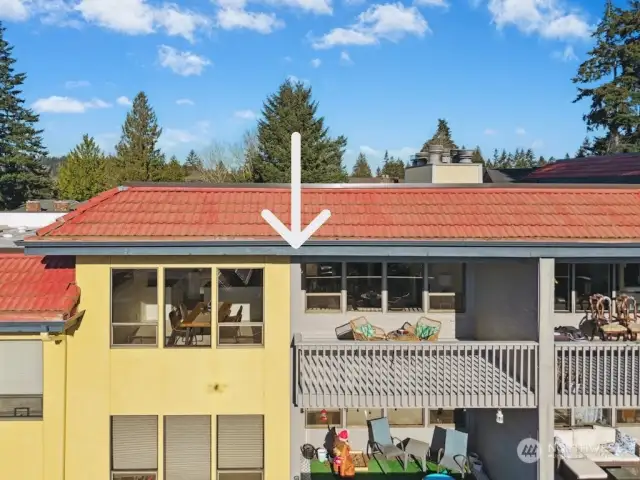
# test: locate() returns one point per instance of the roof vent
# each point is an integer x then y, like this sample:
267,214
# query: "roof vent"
466,156
435,153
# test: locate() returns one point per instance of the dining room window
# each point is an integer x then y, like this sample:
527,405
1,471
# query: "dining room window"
240,315
446,287
187,309
405,287
134,307
364,287
323,287
574,283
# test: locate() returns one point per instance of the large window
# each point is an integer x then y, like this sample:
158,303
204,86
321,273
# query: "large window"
134,447
405,286
364,287
20,379
575,283
406,417
240,445
314,417
240,306
383,287
357,417
187,447
323,284
187,312
582,417
134,307
442,416
628,416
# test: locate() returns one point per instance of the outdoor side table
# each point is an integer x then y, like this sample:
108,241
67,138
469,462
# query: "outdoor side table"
419,450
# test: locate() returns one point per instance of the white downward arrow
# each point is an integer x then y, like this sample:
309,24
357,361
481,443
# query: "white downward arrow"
296,236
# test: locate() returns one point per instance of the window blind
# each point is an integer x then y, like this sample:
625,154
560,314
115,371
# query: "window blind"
187,447
20,367
134,442
240,442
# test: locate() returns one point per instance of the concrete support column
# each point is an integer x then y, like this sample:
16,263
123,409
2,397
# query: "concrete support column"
546,367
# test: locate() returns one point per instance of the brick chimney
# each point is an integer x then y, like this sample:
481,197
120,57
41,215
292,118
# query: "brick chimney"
61,205
33,206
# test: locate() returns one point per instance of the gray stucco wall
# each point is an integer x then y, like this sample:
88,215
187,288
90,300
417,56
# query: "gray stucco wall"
496,443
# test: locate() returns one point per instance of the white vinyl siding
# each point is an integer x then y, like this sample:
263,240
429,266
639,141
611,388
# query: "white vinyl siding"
20,367
134,443
187,447
240,445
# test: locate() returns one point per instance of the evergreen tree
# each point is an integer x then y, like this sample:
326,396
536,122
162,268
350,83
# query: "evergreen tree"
23,176
613,67
392,167
585,148
361,169
378,172
291,109
441,137
139,159
567,156
82,174
171,172
477,156
193,161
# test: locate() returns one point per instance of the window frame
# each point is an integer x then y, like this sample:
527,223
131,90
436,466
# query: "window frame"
426,420
344,309
613,272
115,472
345,420
261,325
313,426
156,324
628,424
25,396
237,470
572,415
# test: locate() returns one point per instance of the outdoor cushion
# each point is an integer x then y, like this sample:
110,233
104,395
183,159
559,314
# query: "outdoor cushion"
566,436
604,434
585,469
423,332
585,438
367,330
603,455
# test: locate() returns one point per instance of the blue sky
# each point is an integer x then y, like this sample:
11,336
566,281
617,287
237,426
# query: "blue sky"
498,70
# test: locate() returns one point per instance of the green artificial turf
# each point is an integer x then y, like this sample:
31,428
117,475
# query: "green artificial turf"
379,467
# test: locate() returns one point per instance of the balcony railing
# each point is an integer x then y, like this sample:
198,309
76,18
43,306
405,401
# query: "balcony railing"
605,374
333,374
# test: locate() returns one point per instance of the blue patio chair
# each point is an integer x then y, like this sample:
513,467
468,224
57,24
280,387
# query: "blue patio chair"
453,456
381,441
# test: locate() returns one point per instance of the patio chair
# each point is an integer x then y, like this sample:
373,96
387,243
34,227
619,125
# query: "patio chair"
364,331
426,329
627,315
381,442
604,325
454,456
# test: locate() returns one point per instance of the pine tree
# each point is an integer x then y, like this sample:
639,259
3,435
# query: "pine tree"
585,148
361,169
392,167
477,156
441,137
82,174
23,176
139,159
613,65
292,109
193,161
172,171
567,156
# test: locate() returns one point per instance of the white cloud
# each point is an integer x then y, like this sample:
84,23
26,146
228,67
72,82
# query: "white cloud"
15,10
124,101
546,18
184,101
390,21
74,83
537,144
245,114
320,7
566,55
432,3
57,104
316,62
139,17
403,153
238,18
288,59
490,131
182,63
294,79
345,59
520,131
172,137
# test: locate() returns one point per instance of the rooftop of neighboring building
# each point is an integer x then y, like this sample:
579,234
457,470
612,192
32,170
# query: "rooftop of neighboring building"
47,205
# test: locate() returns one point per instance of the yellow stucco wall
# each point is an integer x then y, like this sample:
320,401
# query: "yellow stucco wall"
72,442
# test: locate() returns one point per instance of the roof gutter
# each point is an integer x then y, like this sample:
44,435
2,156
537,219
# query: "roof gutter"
54,326
359,248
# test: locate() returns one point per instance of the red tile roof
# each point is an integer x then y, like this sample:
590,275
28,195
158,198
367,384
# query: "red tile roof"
36,288
622,165
441,213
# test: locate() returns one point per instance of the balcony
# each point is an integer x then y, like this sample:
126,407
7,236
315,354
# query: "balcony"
597,374
351,374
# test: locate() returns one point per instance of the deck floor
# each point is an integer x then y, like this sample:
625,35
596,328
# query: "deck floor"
446,379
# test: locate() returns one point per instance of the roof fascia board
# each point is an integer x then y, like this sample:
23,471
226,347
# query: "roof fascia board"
32,327
468,249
